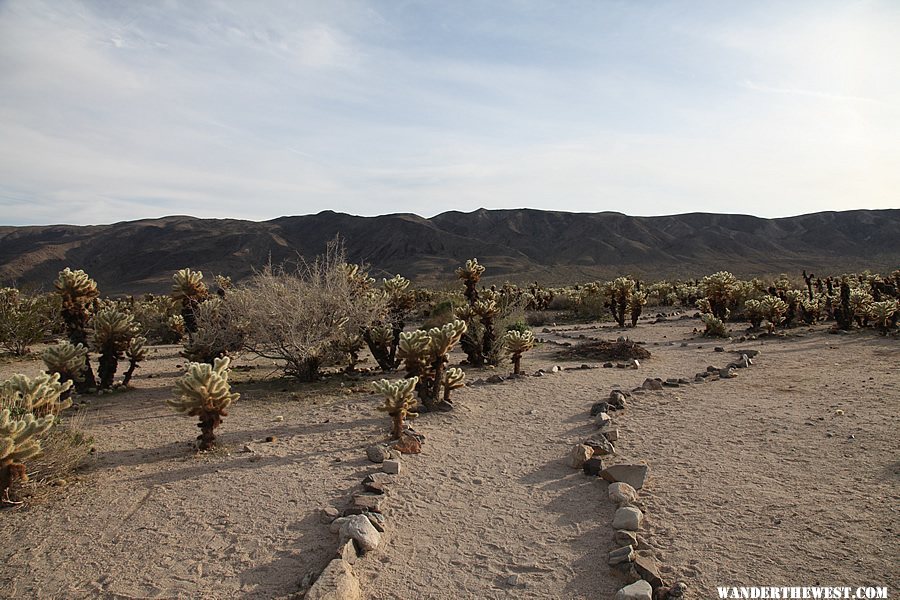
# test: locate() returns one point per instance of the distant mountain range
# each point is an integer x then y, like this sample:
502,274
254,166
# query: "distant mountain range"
515,245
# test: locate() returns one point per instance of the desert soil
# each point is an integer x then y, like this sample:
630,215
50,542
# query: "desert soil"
756,480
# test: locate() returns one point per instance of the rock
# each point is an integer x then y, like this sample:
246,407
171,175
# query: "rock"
727,373
712,369
749,353
377,453
617,399
555,369
278,419
336,525
580,454
391,466
512,580
379,477
600,445
395,454
621,493
684,380
496,379
271,438
592,466
675,592
372,502
628,517
718,349
361,530
374,487
607,365
620,555
407,444
377,520
626,538
599,407
652,384
634,363
648,570
633,475
671,382
610,434
329,514
603,420
347,552
684,344
337,582
639,590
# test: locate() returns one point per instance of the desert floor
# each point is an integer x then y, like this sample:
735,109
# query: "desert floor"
756,480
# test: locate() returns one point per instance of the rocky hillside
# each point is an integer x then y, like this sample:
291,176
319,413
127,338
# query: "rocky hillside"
518,245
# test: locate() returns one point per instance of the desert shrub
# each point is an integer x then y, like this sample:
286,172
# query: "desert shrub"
159,319
299,318
204,392
593,301
714,326
399,402
24,320
425,355
516,343
220,330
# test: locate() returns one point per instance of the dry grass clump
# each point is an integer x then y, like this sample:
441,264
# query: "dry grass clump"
603,350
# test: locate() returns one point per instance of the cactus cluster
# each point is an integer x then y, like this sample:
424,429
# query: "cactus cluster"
189,290
399,402
479,341
204,392
516,343
78,292
113,334
624,298
384,338
45,395
425,355
68,360
19,441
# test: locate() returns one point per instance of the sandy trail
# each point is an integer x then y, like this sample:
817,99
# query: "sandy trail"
747,486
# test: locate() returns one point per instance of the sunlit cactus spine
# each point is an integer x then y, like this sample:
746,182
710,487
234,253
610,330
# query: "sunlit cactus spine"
884,314
399,402
384,339
113,332
204,392
793,299
68,361
516,343
715,327
45,395
636,305
619,293
753,311
19,442
135,353
188,289
860,305
78,292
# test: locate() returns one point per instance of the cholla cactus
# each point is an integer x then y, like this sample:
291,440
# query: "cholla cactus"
773,309
384,338
215,336
135,353
204,392
42,396
18,442
636,306
517,343
453,379
425,354
860,304
77,291
189,289
399,402
718,289
753,310
714,326
884,314
67,360
113,331
811,310
619,293
471,275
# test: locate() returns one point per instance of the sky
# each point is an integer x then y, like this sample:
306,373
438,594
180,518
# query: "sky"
113,110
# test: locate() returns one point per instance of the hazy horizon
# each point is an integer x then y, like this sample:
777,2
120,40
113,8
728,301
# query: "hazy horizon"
123,111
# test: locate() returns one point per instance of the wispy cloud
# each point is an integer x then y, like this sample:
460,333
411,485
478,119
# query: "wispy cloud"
114,111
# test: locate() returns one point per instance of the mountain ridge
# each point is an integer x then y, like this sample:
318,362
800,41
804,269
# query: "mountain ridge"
551,247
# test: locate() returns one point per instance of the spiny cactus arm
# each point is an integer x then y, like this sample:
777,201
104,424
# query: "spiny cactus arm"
472,270
19,435
397,394
40,395
517,342
67,359
188,285
76,285
204,388
444,338
395,284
